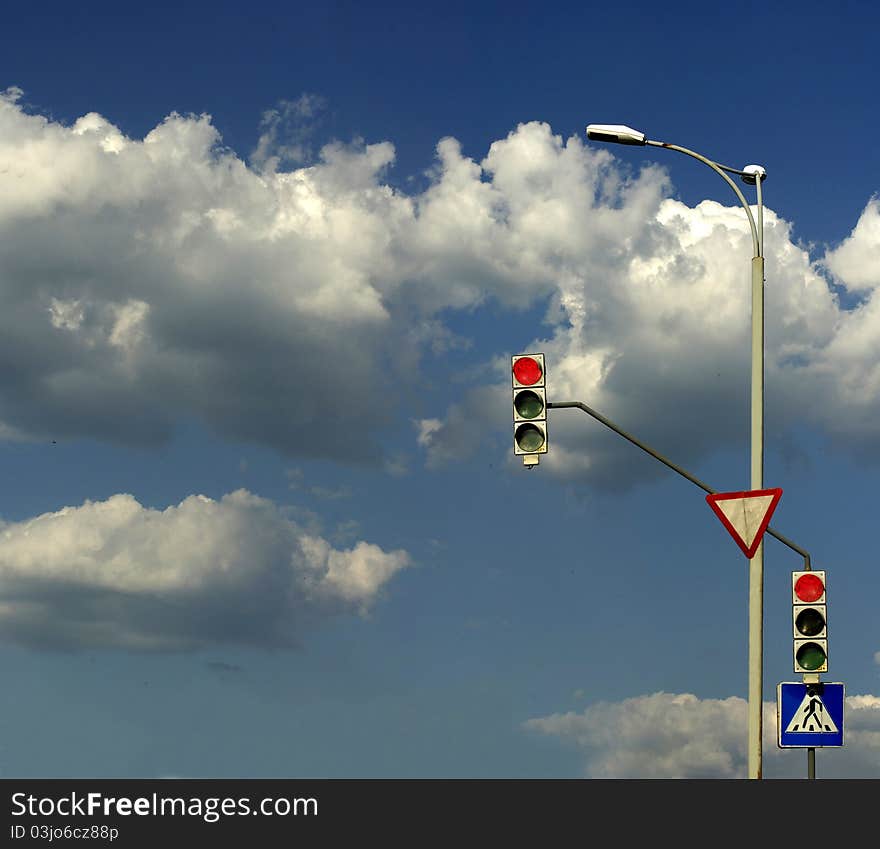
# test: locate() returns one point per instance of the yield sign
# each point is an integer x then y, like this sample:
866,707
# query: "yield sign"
746,515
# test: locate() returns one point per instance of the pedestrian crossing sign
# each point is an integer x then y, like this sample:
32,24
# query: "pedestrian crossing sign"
809,715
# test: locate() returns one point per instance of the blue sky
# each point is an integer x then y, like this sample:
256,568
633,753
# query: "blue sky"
262,272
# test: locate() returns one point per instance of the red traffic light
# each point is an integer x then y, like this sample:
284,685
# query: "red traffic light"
527,371
809,587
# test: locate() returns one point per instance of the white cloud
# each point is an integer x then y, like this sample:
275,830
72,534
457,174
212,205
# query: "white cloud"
204,572
649,323
148,280
246,300
668,735
856,261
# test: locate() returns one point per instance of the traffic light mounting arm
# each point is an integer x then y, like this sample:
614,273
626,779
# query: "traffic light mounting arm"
657,456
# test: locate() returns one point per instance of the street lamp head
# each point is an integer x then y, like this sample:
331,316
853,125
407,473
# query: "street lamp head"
751,173
616,133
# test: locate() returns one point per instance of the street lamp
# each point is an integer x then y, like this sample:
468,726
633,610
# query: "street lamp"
753,175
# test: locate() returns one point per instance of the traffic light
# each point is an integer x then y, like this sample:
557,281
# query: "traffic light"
810,622
529,407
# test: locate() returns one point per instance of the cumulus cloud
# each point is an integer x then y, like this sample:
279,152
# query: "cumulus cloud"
147,280
677,735
856,261
649,323
202,573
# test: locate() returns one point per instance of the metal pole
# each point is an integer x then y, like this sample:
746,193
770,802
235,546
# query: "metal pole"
754,175
756,564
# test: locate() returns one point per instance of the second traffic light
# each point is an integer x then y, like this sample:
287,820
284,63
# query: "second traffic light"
529,406
809,620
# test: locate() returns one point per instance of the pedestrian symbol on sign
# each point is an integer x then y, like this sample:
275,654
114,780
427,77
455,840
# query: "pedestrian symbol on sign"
811,717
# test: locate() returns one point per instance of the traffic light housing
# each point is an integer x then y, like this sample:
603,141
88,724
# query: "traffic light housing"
529,406
809,621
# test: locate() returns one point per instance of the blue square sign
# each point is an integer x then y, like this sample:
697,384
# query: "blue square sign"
809,715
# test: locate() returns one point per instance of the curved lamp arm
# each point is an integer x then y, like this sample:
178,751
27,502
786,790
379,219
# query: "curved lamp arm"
720,169
754,174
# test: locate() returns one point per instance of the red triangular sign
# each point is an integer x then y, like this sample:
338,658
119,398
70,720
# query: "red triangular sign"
746,515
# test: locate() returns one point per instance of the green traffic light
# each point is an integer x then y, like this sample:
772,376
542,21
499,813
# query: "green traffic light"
529,438
528,404
811,656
